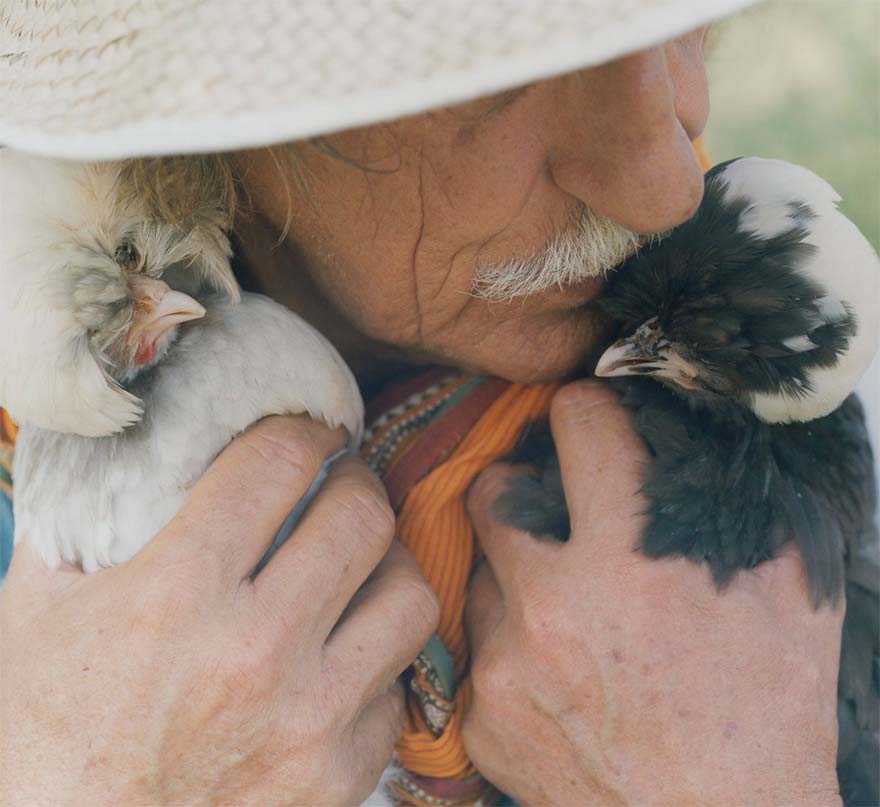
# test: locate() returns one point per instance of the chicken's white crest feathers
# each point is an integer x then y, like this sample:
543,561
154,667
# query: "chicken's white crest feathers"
782,197
60,221
775,190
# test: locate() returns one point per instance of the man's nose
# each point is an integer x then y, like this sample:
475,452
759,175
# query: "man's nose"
621,142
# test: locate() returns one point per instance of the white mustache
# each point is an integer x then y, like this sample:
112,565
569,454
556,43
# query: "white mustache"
594,246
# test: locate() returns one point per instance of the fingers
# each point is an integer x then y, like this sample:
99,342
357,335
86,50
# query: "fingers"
343,536
245,495
387,624
484,609
601,456
513,555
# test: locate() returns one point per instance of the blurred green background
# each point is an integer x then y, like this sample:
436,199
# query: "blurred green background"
800,80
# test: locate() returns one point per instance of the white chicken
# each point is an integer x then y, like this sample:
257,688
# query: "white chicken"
130,358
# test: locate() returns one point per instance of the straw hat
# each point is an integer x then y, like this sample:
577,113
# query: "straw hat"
103,79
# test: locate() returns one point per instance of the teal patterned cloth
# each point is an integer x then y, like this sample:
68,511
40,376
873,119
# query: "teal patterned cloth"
6,529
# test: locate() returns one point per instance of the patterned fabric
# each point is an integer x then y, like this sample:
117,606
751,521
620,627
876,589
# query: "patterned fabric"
7,443
429,438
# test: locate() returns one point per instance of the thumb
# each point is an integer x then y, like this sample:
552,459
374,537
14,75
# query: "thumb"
601,456
512,554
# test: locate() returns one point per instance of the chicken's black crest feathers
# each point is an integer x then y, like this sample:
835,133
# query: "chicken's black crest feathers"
735,298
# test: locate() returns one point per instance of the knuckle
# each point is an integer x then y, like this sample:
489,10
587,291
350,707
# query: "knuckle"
364,503
789,569
248,672
274,444
542,634
166,596
418,602
575,402
487,487
281,627
549,634
492,681
195,560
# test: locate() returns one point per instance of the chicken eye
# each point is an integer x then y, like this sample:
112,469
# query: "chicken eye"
127,256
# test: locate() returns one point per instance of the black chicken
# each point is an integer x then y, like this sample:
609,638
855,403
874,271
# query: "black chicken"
757,317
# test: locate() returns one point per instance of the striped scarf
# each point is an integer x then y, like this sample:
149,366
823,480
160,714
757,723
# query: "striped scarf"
8,432
428,438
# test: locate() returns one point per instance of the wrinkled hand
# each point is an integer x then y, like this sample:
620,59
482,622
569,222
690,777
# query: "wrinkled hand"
176,679
603,677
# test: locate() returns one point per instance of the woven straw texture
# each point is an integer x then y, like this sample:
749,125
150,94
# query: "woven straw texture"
111,78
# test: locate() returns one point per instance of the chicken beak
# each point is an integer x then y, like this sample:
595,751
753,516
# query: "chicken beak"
157,309
173,309
647,353
625,357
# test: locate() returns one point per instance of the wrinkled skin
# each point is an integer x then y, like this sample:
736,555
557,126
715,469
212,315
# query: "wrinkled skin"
395,246
380,252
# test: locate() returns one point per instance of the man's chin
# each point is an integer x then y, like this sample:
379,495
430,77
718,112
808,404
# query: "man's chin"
559,357
553,343
540,375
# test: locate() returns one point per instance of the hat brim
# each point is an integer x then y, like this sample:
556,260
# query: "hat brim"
191,76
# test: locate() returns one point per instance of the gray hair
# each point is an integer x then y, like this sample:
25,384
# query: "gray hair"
590,248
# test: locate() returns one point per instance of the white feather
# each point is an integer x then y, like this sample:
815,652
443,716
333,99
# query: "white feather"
773,186
800,344
844,264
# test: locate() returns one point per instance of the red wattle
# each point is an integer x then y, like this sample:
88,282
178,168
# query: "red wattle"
145,353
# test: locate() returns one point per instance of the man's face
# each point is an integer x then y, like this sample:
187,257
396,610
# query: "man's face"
399,220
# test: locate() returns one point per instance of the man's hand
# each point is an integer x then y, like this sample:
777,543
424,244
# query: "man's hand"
177,679
603,677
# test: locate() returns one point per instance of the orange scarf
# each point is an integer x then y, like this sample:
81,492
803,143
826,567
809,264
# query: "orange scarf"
435,527
429,437
8,429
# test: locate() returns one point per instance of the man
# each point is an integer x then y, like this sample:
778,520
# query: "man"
599,676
